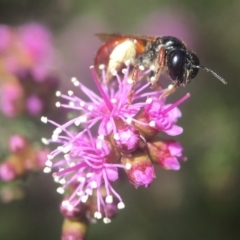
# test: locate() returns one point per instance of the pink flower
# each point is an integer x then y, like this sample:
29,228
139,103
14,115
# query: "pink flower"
11,94
34,105
7,172
86,163
36,40
28,48
163,117
5,34
23,157
26,70
17,144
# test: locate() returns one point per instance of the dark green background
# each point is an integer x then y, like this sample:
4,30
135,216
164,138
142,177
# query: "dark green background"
202,200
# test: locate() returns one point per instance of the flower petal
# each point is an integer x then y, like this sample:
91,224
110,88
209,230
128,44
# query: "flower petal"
171,163
174,130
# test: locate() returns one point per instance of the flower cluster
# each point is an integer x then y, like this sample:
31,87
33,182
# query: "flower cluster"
107,132
28,47
26,60
23,158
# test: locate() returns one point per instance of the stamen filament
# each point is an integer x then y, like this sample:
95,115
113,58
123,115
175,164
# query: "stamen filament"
183,99
104,96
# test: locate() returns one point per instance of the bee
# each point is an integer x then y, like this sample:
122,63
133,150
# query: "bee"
159,54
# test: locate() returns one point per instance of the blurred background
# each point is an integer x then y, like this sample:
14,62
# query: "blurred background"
201,201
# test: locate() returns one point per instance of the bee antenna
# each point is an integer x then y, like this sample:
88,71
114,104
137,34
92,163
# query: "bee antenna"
212,72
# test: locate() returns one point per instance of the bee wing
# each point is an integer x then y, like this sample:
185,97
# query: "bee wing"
105,37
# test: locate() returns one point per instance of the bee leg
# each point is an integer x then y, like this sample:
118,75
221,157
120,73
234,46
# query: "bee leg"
135,73
135,76
131,93
171,89
109,76
157,66
154,77
157,73
130,96
157,86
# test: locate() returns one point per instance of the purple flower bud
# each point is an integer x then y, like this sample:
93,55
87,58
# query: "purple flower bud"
17,144
74,230
41,158
7,172
127,138
139,169
70,211
165,153
11,94
34,105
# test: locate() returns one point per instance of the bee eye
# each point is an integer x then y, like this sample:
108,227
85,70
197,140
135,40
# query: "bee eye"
176,65
194,62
